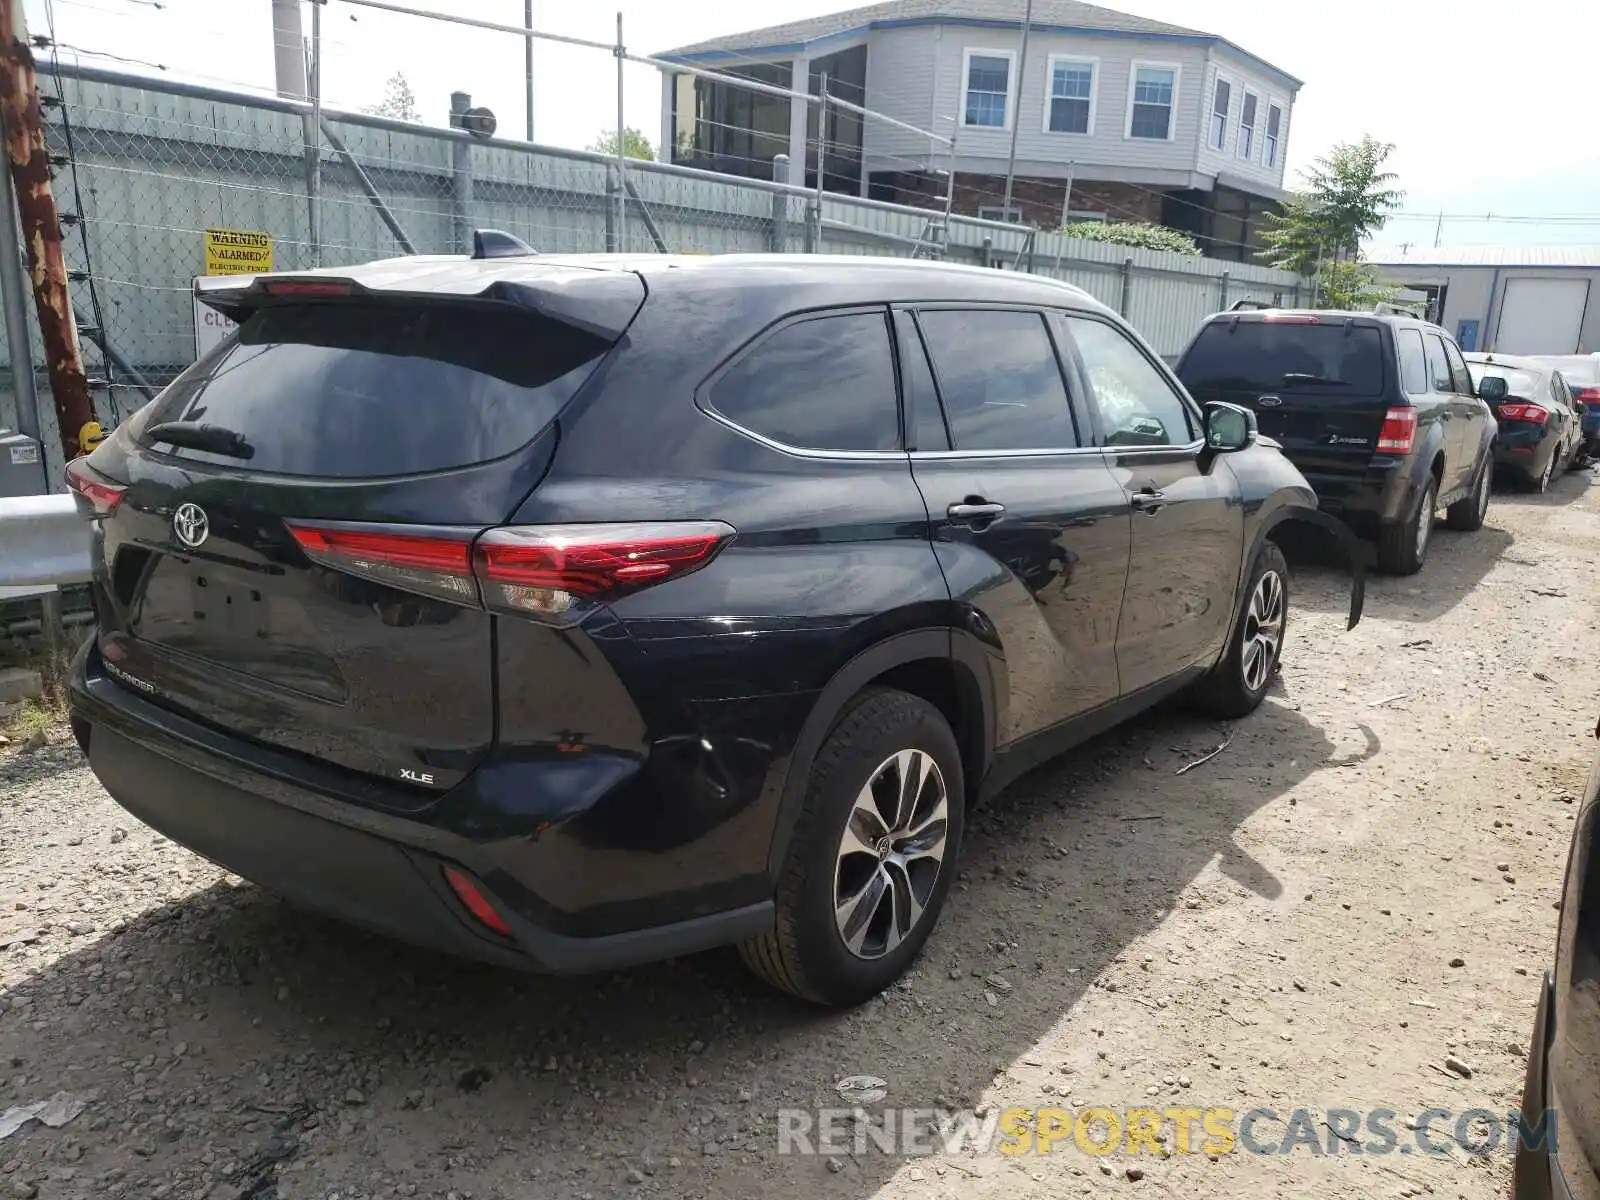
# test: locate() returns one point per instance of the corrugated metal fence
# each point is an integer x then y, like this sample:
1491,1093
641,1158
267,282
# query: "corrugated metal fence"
148,166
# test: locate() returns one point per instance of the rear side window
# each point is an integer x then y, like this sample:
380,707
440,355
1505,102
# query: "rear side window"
821,384
1438,365
1270,356
999,379
1460,380
371,390
1413,365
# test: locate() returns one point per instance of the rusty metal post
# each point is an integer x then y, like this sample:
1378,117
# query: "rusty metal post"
29,163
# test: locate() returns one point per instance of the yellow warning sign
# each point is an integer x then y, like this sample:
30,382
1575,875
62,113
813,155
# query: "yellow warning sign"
238,252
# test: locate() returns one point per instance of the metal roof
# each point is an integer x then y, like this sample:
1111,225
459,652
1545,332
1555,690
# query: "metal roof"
1049,16
1485,256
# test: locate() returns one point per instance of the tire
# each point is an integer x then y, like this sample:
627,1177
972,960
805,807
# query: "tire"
1403,546
807,954
1540,484
1467,515
1238,683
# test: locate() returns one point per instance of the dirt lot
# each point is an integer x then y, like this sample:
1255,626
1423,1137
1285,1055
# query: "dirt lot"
1273,929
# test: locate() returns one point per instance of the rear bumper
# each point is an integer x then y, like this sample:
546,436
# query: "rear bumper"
382,871
1379,493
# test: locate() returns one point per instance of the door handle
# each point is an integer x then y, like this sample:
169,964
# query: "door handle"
1149,499
978,511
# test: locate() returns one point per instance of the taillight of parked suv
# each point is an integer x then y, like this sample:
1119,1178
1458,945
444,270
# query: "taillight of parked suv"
1399,430
544,571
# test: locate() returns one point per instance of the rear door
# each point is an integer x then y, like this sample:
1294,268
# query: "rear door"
1443,407
1317,383
383,433
1188,522
1029,524
1469,416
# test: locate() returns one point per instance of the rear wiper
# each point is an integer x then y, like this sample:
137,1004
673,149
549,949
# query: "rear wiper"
1300,377
214,439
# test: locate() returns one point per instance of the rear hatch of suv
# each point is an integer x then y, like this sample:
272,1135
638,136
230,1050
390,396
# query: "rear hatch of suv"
1317,382
286,530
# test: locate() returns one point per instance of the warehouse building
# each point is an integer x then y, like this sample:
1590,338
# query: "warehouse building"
1510,299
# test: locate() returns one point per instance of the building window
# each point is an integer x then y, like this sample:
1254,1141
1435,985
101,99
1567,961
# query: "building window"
1151,101
1071,108
995,212
1247,125
1269,152
1076,215
1221,103
988,75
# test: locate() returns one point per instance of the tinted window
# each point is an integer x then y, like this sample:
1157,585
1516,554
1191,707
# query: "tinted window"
1413,366
1459,379
823,384
999,380
1438,365
1137,406
1270,356
359,390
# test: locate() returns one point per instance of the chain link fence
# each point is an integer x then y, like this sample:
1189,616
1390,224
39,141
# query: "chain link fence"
147,167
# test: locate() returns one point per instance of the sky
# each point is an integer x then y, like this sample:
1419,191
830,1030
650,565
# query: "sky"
1491,106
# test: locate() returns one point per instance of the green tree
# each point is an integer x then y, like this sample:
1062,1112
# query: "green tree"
1133,233
1348,197
634,144
1351,285
399,101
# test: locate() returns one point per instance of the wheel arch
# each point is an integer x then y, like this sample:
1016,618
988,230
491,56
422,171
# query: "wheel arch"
947,667
1280,526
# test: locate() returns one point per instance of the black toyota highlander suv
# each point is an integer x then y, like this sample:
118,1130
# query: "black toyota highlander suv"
573,611
1378,410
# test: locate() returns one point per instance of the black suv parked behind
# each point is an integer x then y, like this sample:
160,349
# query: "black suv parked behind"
569,612
1378,411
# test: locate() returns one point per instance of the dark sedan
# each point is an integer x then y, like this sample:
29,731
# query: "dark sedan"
1541,432
1560,1149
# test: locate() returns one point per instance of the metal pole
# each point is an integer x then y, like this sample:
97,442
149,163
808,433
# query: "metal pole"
1066,214
527,60
1016,111
949,202
315,133
461,174
29,164
369,188
822,159
780,206
622,155
19,338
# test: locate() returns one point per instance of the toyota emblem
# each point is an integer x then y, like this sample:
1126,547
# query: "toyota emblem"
191,525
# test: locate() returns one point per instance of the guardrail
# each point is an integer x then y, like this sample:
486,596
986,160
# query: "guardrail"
44,543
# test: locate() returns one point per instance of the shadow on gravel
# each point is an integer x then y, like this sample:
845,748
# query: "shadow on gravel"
422,1069
1563,490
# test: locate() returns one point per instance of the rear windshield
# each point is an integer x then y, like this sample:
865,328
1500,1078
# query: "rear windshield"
1518,383
367,390
1264,356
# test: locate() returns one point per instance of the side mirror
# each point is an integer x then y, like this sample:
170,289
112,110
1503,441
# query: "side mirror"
1492,389
1229,427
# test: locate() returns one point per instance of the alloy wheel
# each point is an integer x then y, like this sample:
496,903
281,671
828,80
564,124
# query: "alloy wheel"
1263,631
890,854
1425,523
1483,491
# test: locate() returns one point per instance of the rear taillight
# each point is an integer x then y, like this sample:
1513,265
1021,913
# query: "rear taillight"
1522,412
545,568
95,490
1589,396
1399,431
476,902
433,564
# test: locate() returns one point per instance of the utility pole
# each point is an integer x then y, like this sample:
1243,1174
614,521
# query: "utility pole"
29,163
527,60
288,49
1438,230
1016,112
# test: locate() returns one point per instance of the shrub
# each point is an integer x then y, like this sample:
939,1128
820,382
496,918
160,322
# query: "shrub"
1134,233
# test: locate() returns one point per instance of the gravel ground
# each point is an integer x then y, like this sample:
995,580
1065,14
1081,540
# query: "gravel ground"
1346,897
